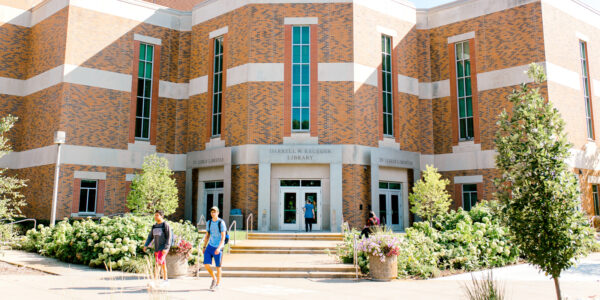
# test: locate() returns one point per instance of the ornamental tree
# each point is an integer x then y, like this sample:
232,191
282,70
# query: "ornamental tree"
154,188
429,197
539,193
11,200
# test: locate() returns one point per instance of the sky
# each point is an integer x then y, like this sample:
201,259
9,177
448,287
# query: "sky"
431,3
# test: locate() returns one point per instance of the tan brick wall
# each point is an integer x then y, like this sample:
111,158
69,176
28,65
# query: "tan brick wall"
356,190
48,43
244,191
38,118
426,145
38,193
15,47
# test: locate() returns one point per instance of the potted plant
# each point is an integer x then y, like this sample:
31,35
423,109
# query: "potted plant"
383,248
177,258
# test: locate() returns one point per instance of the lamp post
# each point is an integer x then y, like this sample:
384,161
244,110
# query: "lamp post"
59,139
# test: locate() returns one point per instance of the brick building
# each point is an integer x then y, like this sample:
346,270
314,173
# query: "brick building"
260,105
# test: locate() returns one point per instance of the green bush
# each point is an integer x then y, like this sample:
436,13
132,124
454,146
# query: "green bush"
114,241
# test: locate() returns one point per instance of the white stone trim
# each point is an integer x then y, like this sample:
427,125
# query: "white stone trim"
593,179
468,179
463,10
147,39
433,90
408,85
10,86
465,161
596,87
14,16
466,146
336,71
173,90
301,21
582,36
562,76
389,142
43,81
386,31
97,78
461,37
90,175
219,32
502,78
575,9
255,72
300,138
46,10
216,142
198,85
365,75
129,177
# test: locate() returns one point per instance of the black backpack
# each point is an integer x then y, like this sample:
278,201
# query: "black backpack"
226,232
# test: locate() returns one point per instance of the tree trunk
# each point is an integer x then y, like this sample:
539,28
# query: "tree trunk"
557,286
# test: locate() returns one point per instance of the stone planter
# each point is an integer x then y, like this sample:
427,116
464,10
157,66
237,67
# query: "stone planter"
177,265
383,270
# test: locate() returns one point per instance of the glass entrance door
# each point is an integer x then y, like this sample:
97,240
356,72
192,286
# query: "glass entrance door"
291,203
213,196
390,205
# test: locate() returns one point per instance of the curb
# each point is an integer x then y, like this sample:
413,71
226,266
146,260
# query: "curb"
30,267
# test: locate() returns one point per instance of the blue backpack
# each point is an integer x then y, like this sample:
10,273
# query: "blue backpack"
226,232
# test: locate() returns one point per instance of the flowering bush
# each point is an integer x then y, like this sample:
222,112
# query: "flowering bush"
114,241
182,247
382,244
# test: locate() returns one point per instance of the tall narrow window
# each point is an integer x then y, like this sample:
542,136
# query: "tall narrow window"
595,199
464,95
387,85
469,195
217,91
586,90
144,92
87,196
301,78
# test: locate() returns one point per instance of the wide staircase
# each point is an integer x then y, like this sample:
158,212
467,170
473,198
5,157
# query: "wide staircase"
285,255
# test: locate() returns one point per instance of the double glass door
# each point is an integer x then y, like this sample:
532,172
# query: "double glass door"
390,205
292,201
213,196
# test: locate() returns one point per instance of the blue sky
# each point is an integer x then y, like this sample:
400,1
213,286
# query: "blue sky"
431,3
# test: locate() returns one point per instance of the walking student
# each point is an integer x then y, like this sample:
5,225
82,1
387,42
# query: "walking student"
214,241
161,234
309,215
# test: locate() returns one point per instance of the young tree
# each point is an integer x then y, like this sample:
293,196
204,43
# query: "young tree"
429,197
538,191
11,200
154,188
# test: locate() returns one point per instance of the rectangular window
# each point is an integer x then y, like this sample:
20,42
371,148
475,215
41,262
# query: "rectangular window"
469,195
387,85
595,199
300,78
87,196
464,95
144,92
217,91
586,90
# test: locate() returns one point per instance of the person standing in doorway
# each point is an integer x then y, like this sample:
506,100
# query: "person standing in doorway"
309,215
161,235
214,241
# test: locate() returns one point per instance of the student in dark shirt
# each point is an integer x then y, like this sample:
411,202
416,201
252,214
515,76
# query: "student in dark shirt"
161,235
372,222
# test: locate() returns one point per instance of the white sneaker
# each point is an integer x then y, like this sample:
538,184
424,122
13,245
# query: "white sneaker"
213,285
164,283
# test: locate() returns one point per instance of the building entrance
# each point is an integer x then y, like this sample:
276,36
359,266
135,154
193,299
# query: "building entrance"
213,196
293,195
390,205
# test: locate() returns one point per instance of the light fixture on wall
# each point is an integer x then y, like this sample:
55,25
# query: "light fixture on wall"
60,138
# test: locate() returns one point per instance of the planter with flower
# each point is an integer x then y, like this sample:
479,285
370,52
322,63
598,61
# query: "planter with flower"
382,248
177,258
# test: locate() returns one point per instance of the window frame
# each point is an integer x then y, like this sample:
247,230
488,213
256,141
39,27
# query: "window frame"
467,93
87,189
387,86
587,97
301,86
470,194
217,86
596,199
139,114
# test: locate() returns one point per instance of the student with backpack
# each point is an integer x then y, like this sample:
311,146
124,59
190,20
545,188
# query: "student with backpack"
162,236
214,242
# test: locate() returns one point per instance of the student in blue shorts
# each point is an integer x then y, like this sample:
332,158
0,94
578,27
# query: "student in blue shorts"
215,238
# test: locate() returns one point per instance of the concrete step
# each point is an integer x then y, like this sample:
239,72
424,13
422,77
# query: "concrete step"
288,274
259,247
277,251
340,268
296,236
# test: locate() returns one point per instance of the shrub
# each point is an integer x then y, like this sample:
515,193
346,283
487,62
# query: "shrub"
114,241
430,197
153,189
484,289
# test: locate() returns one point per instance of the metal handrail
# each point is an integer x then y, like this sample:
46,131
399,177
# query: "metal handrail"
355,255
21,221
250,217
234,225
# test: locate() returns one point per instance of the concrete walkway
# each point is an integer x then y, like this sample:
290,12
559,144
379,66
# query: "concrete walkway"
76,282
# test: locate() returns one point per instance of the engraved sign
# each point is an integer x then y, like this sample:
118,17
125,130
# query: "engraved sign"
215,161
393,162
300,154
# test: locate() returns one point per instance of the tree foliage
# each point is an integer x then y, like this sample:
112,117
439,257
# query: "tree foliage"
11,200
154,188
429,197
539,192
